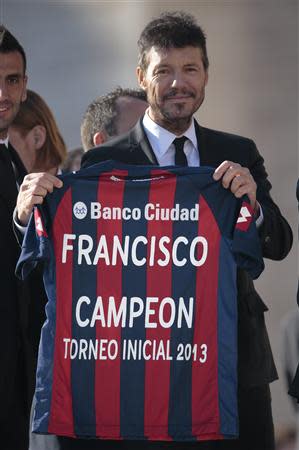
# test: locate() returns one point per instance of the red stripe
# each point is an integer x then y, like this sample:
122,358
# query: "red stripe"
109,283
61,413
205,408
159,284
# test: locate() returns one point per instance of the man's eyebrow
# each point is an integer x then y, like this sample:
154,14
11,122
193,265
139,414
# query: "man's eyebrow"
15,75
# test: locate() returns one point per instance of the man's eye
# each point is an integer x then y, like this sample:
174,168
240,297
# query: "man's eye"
13,80
161,71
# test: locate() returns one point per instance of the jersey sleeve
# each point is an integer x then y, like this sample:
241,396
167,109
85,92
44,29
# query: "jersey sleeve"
36,244
236,222
246,245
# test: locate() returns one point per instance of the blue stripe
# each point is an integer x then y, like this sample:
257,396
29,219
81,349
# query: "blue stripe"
44,373
227,341
84,284
183,285
134,284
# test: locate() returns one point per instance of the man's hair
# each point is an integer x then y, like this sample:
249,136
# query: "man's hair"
8,44
102,114
35,111
171,30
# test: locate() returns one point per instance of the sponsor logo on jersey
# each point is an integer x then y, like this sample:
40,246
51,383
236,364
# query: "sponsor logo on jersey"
80,210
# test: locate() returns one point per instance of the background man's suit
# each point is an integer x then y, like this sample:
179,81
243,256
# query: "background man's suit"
16,359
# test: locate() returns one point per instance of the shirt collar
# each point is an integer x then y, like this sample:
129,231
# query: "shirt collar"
161,139
4,141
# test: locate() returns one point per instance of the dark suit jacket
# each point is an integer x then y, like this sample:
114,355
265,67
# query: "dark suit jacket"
256,365
13,355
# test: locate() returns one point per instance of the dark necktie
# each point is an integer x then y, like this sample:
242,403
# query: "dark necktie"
180,157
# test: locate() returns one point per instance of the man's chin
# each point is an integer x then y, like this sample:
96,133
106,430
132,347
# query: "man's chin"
178,117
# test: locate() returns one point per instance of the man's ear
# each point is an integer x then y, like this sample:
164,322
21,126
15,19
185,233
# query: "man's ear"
99,138
39,136
141,77
207,77
24,93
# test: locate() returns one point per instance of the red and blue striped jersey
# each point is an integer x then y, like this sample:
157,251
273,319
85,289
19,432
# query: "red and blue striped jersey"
140,340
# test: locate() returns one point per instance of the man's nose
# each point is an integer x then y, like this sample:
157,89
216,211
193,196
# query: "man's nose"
178,80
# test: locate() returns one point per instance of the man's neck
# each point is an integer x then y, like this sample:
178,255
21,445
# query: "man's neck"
3,135
175,126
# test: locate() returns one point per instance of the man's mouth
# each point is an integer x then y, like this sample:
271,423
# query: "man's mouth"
4,108
179,97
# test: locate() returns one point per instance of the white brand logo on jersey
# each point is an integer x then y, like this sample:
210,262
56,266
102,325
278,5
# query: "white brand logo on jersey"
80,210
244,214
38,224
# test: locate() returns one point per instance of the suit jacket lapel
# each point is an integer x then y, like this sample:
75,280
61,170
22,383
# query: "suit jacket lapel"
8,187
210,153
201,144
20,168
142,152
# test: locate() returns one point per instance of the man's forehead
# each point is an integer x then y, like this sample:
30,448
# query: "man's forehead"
11,63
157,54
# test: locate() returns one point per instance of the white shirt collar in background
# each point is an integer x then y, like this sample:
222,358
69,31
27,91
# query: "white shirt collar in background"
4,141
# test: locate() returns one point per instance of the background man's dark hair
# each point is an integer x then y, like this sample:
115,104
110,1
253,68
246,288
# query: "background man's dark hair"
171,30
102,114
8,44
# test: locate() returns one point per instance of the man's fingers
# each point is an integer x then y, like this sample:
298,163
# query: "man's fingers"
237,178
46,180
223,168
33,191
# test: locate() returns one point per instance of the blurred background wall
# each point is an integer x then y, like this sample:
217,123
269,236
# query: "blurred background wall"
78,50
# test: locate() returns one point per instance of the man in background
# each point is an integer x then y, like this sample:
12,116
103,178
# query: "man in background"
111,115
14,360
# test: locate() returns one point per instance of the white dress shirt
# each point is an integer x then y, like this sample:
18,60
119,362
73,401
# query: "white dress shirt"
4,141
161,141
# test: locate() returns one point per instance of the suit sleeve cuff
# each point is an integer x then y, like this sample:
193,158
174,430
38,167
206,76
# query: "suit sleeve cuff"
259,216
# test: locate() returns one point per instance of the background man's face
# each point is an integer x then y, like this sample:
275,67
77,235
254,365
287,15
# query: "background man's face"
175,81
12,88
130,109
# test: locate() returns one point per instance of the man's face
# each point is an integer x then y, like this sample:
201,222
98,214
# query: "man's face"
130,109
175,81
12,88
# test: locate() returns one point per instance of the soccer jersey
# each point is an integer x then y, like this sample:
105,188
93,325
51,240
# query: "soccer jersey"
140,340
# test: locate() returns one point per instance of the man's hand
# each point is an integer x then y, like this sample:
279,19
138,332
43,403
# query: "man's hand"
33,191
238,179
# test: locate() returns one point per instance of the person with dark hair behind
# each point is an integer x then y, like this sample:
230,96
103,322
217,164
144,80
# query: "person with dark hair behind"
111,115
36,137
14,360
37,140
73,160
173,71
